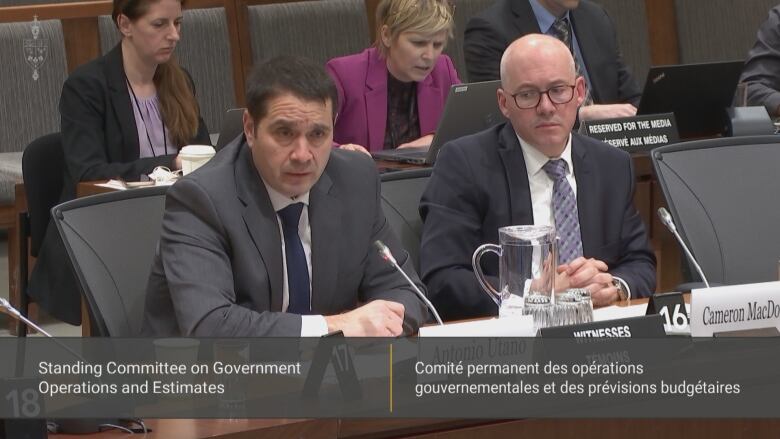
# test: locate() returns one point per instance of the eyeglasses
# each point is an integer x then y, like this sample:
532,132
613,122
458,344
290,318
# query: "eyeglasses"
560,94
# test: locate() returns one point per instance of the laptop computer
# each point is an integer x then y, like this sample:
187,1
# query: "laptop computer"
470,108
697,94
232,127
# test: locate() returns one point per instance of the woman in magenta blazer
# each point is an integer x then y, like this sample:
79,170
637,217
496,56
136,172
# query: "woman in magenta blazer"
392,95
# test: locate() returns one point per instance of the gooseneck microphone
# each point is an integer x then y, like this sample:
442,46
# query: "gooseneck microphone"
666,219
77,426
385,253
13,312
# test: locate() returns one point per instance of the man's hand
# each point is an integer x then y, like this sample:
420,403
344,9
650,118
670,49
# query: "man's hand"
380,318
422,141
595,112
354,147
592,275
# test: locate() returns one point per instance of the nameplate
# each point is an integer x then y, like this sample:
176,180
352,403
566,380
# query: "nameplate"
22,404
735,308
516,326
760,332
633,327
634,134
333,349
670,306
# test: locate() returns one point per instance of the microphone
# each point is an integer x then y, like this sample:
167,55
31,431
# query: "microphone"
385,253
78,426
667,221
13,312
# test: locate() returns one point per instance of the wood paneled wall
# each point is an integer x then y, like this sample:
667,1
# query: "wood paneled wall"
80,27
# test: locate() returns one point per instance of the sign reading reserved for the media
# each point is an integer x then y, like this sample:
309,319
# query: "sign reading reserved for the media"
634,134
734,308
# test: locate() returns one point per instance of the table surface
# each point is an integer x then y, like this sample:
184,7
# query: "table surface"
324,428
375,428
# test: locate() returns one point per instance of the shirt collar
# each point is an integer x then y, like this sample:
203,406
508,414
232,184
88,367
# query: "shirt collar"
543,16
280,201
534,159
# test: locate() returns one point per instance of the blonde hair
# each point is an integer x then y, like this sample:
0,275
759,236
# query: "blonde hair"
421,16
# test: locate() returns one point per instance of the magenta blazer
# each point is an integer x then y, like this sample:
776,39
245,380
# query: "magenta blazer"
361,80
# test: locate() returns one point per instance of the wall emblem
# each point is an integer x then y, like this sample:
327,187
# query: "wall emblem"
36,49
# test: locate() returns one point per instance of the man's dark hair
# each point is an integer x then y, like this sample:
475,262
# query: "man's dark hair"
296,75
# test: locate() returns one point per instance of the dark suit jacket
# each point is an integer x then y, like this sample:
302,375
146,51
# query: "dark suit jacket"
480,183
99,142
762,65
99,134
490,33
218,271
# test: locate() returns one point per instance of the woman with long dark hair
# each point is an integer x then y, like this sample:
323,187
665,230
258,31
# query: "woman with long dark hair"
123,114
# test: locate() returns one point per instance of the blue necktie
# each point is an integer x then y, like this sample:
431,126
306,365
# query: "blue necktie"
564,204
297,268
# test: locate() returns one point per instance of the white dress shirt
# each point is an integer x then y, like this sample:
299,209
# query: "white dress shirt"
541,186
311,325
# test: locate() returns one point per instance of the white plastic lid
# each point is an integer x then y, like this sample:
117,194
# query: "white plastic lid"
198,150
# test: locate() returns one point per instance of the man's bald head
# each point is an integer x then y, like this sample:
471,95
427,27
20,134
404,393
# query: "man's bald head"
540,66
533,49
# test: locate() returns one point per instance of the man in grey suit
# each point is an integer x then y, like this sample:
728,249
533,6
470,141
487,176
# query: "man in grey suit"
273,237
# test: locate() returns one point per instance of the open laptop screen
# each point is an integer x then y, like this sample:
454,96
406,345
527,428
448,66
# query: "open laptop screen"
697,94
470,108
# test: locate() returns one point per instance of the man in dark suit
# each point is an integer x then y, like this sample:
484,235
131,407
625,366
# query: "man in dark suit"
582,24
534,170
274,236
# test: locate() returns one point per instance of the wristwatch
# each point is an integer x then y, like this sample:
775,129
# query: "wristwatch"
621,290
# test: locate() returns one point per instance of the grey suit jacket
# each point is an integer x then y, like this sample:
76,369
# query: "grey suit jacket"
218,269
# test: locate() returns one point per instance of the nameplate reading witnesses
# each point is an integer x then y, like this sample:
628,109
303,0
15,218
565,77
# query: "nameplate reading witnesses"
634,134
633,327
734,308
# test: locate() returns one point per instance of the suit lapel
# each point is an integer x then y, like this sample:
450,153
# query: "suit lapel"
122,104
525,19
517,176
586,188
428,104
376,100
589,47
260,219
325,211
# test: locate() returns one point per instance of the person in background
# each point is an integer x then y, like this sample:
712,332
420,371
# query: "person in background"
122,115
534,170
393,94
131,110
762,68
582,25
275,235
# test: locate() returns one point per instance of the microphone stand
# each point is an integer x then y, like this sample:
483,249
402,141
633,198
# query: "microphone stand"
387,255
78,426
667,221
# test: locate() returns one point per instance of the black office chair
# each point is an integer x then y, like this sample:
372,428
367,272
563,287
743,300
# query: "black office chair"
722,194
232,127
401,193
111,241
43,173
